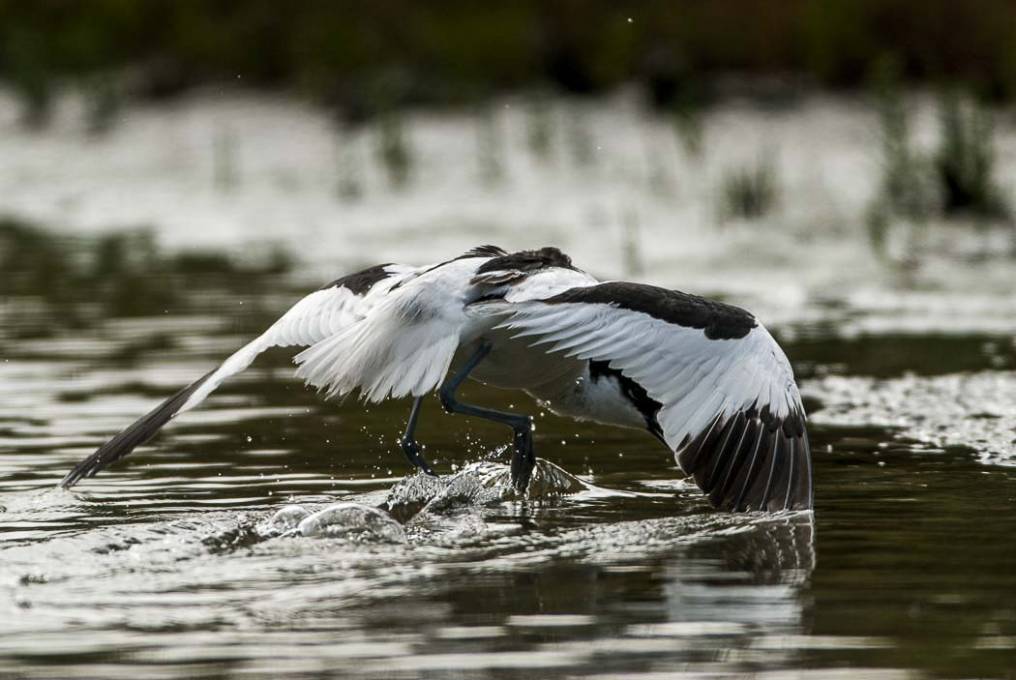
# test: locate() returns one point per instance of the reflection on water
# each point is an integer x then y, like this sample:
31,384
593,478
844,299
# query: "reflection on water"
169,564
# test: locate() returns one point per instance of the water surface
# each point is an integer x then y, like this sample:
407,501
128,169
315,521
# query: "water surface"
162,566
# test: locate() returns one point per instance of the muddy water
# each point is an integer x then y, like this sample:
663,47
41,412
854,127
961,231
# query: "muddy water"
169,565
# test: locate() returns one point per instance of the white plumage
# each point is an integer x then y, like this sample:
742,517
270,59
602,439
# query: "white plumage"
705,378
403,347
694,378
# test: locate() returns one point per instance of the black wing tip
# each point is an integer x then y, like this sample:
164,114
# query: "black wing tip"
86,468
77,473
749,463
136,434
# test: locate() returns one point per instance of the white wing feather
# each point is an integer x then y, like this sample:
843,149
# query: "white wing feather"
313,318
404,346
671,362
700,384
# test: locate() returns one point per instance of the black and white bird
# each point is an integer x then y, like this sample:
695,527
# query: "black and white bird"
705,378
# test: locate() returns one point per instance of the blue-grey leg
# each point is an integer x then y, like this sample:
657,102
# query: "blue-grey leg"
523,459
408,441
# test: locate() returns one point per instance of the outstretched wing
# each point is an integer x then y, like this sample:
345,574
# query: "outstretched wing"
317,316
729,406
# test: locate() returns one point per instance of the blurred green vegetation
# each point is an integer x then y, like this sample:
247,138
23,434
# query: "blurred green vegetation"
750,192
366,57
965,160
955,179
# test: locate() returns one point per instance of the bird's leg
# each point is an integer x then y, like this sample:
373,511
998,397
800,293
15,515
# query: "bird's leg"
408,441
523,459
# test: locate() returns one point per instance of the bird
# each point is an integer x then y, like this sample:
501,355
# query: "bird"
703,377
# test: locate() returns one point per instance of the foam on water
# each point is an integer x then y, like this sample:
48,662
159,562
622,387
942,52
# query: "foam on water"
975,410
347,520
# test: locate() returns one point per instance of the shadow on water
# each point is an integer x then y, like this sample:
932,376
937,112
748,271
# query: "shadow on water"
164,564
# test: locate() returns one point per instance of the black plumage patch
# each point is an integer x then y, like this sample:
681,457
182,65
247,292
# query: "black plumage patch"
483,251
527,261
362,281
719,321
633,392
478,251
137,434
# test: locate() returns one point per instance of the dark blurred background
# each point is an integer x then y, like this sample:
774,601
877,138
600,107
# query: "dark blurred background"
860,121
363,56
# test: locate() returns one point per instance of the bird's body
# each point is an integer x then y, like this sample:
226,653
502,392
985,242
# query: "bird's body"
703,377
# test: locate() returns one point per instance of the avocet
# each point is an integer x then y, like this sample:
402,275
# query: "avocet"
705,378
